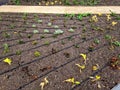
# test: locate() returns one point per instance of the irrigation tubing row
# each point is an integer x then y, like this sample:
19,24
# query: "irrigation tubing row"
19,29
74,59
38,59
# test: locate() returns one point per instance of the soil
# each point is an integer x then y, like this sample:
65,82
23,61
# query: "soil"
58,54
62,2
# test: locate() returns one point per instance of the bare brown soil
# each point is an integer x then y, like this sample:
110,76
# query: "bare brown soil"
58,55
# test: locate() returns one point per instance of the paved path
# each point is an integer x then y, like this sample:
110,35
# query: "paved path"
60,9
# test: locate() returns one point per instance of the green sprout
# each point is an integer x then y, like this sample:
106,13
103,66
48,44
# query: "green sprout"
24,16
20,41
108,37
35,31
46,31
80,16
34,42
96,41
18,52
47,43
37,54
116,43
6,48
33,25
6,35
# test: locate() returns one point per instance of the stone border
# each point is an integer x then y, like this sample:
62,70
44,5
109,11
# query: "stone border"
60,9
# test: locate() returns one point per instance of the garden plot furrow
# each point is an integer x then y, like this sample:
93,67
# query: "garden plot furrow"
61,66
6,71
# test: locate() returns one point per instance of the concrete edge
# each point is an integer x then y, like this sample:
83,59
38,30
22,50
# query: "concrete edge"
60,9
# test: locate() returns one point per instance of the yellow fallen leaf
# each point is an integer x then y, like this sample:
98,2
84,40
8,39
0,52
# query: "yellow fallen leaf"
72,80
108,17
97,77
15,32
84,56
80,66
95,67
99,14
77,82
94,18
114,23
98,85
45,82
42,84
8,61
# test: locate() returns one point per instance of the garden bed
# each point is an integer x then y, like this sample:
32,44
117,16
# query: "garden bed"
38,46
65,2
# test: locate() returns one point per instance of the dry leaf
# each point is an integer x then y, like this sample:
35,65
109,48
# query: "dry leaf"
114,23
99,14
95,67
98,85
72,80
8,61
45,82
84,57
80,66
94,18
96,78
42,84
108,17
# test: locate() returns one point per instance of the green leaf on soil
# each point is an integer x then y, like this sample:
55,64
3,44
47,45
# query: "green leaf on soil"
35,31
37,54
56,26
47,43
18,52
46,31
34,42
116,43
80,16
6,48
71,30
59,31
20,41
96,41
29,35
39,21
6,35
49,24
33,25
108,37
